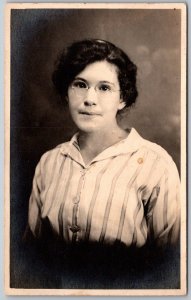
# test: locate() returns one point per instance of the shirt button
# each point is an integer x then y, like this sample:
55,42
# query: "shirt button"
74,228
76,200
140,160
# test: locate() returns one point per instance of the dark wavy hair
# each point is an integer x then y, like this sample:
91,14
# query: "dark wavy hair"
82,53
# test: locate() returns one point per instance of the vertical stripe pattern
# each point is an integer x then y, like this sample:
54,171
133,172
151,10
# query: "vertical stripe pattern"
60,214
109,201
129,193
94,197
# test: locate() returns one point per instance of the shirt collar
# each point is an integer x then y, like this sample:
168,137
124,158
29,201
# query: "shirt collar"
128,145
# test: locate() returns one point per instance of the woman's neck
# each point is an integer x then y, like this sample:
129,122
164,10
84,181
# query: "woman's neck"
92,144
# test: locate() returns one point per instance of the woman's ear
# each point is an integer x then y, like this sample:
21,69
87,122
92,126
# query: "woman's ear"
121,105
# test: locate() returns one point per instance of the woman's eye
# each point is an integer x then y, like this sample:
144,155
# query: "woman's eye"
104,88
79,85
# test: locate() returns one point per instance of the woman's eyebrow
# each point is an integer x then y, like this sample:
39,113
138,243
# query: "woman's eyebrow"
82,79
108,82
101,81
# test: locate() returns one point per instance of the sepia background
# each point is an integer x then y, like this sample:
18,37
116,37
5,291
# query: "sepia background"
39,121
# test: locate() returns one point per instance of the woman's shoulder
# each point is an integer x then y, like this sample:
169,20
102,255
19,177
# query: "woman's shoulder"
155,151
53,153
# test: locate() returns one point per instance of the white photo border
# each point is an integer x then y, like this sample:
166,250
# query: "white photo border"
73,292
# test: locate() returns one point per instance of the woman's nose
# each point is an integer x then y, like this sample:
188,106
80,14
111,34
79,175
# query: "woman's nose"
91,97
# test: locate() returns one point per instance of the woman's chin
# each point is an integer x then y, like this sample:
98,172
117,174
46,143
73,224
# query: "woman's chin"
89,129
88,125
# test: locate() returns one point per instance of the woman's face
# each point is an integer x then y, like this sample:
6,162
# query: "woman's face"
94,97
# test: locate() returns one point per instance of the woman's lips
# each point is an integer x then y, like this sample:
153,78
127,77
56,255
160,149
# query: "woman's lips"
89,113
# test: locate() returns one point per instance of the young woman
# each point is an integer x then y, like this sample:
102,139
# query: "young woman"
107,186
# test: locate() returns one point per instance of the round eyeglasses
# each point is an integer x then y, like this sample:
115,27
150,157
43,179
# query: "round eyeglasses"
103,89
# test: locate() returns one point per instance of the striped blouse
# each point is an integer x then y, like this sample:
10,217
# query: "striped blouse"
128,193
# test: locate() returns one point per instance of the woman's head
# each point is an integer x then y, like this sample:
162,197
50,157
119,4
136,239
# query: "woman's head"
83,53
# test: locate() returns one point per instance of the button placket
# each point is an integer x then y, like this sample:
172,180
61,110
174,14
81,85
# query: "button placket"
75,228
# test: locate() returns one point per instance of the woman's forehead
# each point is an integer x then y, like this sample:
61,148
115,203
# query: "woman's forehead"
100,71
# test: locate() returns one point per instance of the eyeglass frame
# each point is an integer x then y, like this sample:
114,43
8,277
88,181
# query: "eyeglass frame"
84,90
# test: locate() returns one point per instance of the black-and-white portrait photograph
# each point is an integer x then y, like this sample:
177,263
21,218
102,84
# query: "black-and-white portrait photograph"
95,170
